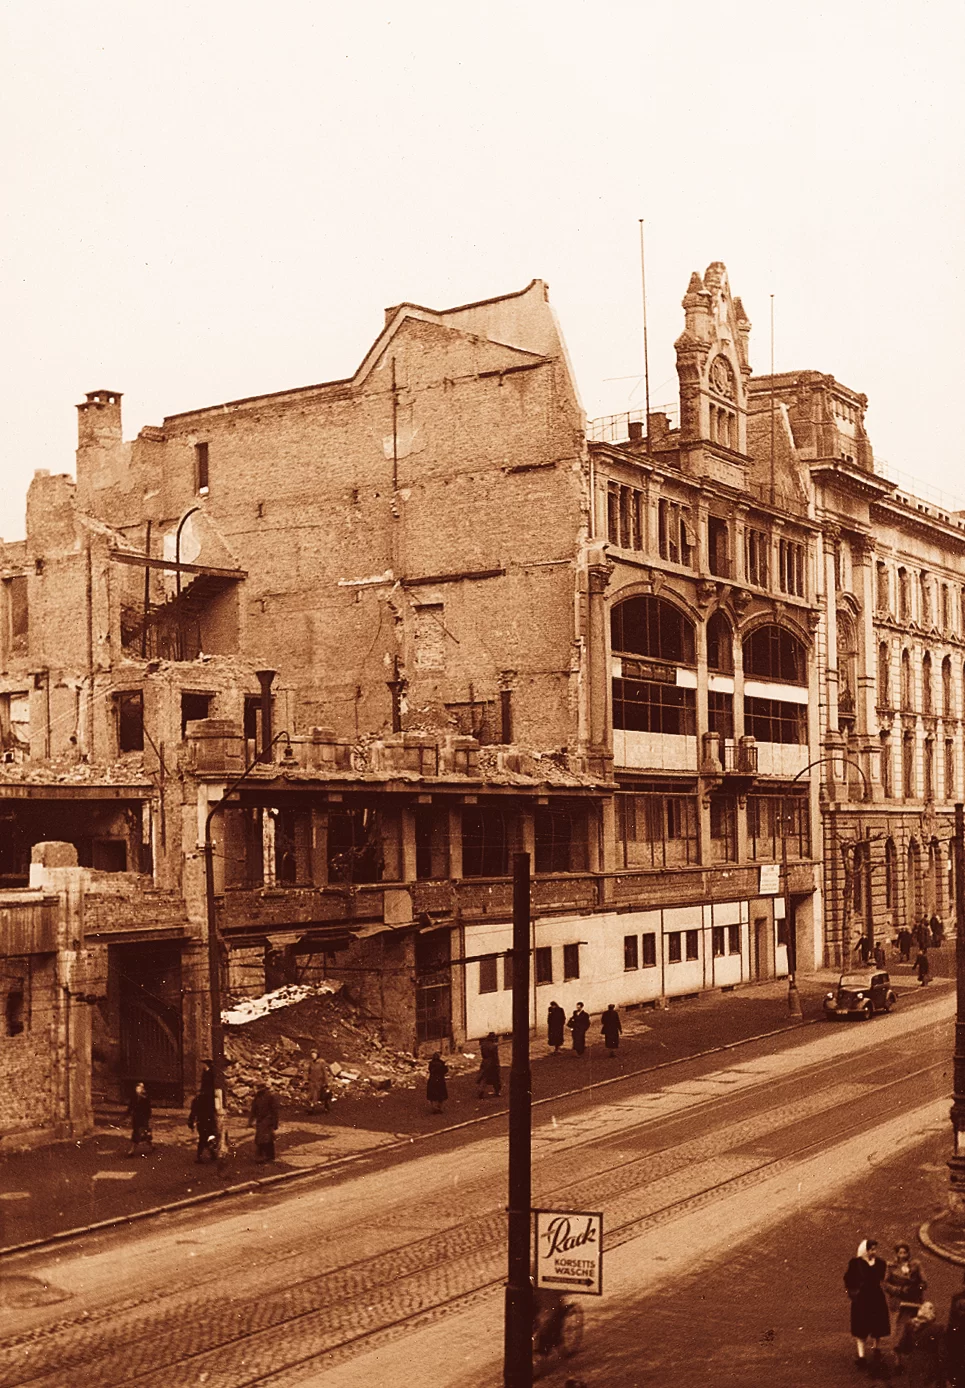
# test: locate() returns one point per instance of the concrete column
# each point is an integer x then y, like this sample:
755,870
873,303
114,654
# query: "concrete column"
409,872
455,841
319,847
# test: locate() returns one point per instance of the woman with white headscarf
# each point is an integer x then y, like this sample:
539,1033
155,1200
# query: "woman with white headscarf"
870,1319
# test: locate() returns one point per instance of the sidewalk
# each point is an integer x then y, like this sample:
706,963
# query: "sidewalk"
73,1186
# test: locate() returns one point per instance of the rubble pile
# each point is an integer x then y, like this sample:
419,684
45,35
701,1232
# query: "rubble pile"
271,1038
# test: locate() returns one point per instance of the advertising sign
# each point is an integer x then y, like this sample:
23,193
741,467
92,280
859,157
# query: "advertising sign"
569,1251
770,879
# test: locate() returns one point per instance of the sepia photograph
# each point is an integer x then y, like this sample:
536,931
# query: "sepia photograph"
482,695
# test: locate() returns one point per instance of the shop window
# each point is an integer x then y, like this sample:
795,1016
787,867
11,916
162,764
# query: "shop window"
649,950
756,544
790,555
718,547
656,829
675,532
717,941
485,842
733,939
693,944
544,964
772,720
194,707
488,982
772,821
631,952
293,853
571,961
561,840
720,644
674,947
773,653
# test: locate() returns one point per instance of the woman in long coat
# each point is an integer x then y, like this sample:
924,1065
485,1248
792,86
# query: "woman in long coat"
489,1073
611,1027
870,1320
555,1023
436,1090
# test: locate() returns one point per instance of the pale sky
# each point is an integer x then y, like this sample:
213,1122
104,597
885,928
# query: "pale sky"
208,201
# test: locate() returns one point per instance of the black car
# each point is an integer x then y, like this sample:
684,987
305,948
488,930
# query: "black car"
861,994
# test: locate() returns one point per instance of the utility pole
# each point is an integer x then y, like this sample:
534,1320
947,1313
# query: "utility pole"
518,1341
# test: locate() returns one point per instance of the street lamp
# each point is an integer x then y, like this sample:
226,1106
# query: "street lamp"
214,954
946,1234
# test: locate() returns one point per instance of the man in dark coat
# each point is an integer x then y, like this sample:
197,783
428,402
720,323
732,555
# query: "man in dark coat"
922,967
611,1027
579,1025
203,1117
139,1112
489,1065
437,1091
264,1119
555,1022
937,930
904,944
870,1318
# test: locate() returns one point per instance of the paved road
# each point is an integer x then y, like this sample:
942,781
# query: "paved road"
319,1282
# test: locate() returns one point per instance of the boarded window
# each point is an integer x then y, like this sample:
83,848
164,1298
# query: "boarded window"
693,944
674,954
488,982
631,952
571,961
544,964
649,942
430,636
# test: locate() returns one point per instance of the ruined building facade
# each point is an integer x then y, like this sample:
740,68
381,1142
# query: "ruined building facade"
431,619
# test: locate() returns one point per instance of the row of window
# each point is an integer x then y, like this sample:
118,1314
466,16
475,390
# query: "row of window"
906,683
658,828
918,597
909,780
677,540
653,628
542,967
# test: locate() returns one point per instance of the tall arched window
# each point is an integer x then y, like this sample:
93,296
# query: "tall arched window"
927,703
773,653
647,697
884,675
720,644
908,787
904,596
907,691
891,875
947,687
946,608
847,670
913,893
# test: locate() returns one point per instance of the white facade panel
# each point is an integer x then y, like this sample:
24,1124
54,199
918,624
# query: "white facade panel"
654,751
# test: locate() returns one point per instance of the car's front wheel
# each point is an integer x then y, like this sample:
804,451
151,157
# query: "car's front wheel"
890,1002
867,1012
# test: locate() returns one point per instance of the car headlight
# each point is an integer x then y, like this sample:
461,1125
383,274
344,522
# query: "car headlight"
829,998
859,996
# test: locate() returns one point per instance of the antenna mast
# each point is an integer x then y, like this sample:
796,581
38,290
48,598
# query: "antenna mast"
646,359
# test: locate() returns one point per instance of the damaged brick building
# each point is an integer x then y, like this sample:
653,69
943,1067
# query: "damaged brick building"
431,618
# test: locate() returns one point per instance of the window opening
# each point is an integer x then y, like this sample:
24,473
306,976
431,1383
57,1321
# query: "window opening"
485,842
130,720
488,982
571,961
649,950
201,468
631,952
755,556
544,964
194,707
772,653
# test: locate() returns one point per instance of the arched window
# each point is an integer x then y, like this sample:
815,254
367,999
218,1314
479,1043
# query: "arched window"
935,902
924,597
908,765
927,705
907,691
946,608
646,634
947,687
891,875
913,892
887,770
720,645
847,670
884,675
904,596
772,653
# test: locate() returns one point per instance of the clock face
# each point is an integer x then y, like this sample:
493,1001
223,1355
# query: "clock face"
721,378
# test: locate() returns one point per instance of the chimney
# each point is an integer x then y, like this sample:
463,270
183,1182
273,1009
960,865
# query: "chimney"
635,430
265,678
99,419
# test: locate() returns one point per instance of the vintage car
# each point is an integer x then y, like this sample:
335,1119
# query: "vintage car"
861,994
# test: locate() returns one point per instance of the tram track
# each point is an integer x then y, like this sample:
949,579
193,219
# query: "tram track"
338,1312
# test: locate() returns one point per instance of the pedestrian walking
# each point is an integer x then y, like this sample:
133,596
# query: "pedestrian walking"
263,1117
611,1028
318,1083
489,1073
921,1350
863,948
904,944
203,1115
923,934
579,1025
937,928
139,1112
955,1341
904,1285
922,967
555,1023
870,1321
879,955
436,1091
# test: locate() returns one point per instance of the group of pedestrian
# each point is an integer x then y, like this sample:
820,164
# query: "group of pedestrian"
579,1024
932,1355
